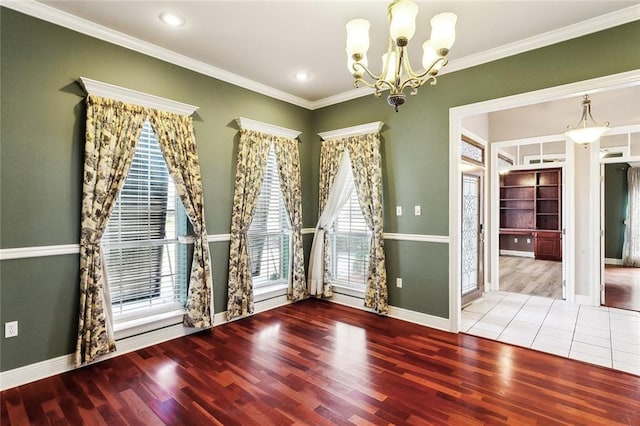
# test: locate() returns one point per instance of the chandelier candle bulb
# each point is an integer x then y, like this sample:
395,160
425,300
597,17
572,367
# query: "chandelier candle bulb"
443,31
403,21
357,37
397,74
430,58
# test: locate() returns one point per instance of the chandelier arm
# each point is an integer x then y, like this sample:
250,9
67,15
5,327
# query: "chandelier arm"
366,70
442,60
385,66
407,67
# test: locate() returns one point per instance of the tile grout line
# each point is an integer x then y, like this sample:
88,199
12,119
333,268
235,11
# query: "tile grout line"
540,328
514,317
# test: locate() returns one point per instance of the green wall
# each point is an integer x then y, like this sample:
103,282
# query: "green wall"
42,116
615,210
416,146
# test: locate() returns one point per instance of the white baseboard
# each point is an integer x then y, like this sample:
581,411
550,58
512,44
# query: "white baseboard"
420,318
581,299
612,261
398,313
40,370
518,253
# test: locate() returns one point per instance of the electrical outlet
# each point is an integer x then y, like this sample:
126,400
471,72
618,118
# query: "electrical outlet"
528,240
515,240
417,210
10,329
399,282
398,210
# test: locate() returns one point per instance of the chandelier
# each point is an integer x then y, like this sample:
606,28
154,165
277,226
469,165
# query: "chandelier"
587,130
397,73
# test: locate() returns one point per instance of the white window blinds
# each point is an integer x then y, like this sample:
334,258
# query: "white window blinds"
350,240
269,235
145,264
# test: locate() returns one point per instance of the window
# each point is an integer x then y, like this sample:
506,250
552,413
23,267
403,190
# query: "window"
145,264
350,240
269,235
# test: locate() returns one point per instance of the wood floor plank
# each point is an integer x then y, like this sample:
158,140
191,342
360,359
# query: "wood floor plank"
317,363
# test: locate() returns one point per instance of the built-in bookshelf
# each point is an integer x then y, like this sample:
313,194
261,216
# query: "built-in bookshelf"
531,206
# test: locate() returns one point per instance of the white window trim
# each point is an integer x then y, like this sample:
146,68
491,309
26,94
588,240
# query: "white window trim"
272,129
111,91
362,129
348,291
270,291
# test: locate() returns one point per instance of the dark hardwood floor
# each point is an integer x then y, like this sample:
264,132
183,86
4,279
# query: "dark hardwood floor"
320,363
622,287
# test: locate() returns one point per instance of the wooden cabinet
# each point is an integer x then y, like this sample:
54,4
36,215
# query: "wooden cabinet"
530,202
547,246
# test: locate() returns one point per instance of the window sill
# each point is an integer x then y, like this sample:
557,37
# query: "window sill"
348,291
132,327
269,292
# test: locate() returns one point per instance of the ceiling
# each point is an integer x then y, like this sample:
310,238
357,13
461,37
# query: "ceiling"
263,43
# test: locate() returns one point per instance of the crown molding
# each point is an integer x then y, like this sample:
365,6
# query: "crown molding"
362,129
84,26
106,90
579,29
259,126
67,20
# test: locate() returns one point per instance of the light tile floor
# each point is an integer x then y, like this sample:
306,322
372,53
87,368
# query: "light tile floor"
599,335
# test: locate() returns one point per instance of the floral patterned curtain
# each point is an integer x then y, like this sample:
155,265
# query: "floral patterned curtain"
366,162
178,143
286,151
253,152
112,131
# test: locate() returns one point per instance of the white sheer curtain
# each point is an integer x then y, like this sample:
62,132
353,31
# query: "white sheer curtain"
631,247
338,197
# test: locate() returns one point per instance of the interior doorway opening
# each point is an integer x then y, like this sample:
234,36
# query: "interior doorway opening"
620,218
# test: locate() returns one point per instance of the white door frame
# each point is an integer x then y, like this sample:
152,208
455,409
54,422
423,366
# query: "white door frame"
455,131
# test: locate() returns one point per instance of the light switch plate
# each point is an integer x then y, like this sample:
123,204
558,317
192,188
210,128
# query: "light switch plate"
398,210
417,210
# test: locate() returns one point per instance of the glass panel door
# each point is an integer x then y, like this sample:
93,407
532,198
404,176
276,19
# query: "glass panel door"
472,238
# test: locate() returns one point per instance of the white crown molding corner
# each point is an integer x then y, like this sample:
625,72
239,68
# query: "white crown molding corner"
259,126
67,20
40,251
362,129
72,22
106,90
341,97
442,239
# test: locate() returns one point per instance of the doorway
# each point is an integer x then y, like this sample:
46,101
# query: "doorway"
620,274
582,272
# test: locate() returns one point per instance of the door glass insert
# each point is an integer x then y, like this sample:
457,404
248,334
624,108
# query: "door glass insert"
470,232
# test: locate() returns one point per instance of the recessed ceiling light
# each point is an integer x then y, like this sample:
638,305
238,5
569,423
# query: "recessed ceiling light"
301,76
171,19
